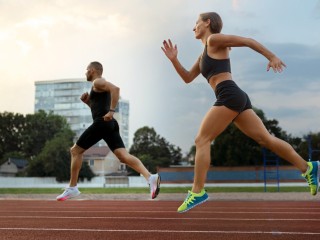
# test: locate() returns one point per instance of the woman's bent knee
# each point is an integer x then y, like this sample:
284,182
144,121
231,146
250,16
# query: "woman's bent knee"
201,141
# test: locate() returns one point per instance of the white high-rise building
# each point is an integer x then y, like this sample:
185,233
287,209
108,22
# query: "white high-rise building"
62,97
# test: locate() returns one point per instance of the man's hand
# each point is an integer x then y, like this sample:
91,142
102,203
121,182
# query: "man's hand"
108,116
85,98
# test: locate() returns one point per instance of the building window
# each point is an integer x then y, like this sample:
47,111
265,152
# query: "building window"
122,167
91,162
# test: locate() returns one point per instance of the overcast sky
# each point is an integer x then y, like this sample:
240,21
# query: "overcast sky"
55,39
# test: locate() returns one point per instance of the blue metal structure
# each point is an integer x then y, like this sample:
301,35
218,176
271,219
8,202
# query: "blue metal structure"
310,149
271,169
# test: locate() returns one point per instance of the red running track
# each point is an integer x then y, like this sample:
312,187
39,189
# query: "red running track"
96,219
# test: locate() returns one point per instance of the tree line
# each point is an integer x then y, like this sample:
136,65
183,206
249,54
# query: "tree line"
44,139
231,148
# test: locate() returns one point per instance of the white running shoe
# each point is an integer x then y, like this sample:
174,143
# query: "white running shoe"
69,192
154,184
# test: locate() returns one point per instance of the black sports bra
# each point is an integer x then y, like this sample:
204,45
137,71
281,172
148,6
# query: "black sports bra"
210,66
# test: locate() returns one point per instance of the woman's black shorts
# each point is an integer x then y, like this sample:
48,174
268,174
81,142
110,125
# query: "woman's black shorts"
230,95
106,130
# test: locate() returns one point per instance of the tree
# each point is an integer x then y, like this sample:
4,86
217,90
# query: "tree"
176,155
192,153
85,172
233,148
42,138
39,128
303,146
54,159
154,150
11,126
28,134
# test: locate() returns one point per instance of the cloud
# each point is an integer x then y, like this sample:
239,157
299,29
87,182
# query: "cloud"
316,11
56,39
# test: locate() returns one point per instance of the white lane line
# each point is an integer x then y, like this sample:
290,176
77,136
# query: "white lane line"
161,231
159,207
172,211
164,218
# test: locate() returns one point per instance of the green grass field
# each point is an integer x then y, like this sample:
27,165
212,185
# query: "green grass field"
146,190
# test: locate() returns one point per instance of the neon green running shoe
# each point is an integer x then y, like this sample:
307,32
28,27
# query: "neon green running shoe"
312,176
192,200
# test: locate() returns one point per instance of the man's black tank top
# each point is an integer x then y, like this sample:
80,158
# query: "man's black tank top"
99,104
210,66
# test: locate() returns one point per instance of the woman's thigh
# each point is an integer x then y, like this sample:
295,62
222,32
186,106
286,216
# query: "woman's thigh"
250,124
215,122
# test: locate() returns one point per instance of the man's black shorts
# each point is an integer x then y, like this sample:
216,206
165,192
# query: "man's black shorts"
99,129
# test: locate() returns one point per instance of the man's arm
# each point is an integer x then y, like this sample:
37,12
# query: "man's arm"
101,85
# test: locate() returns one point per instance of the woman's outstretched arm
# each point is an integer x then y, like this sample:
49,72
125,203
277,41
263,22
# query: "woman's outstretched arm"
172,54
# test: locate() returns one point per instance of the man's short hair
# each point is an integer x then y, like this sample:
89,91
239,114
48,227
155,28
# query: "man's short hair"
97,66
